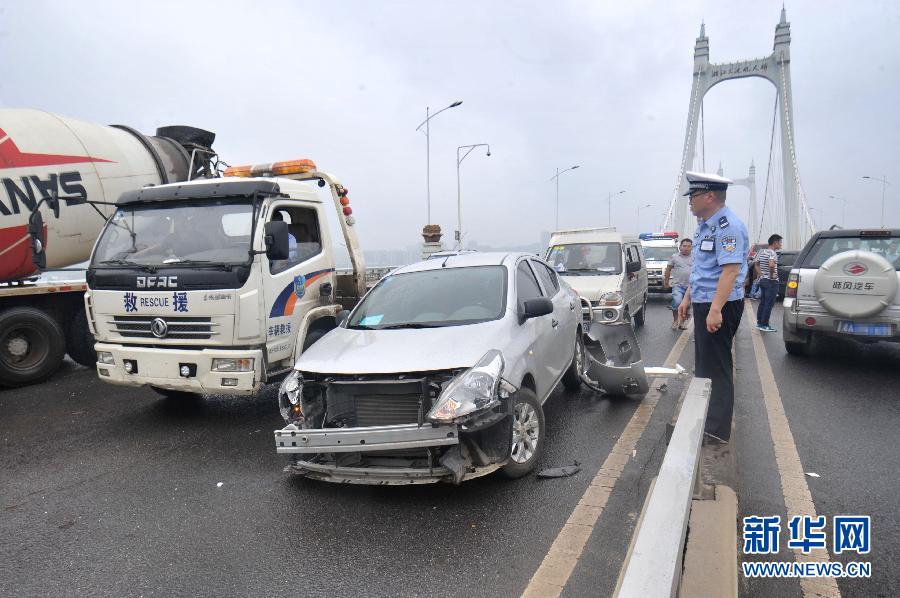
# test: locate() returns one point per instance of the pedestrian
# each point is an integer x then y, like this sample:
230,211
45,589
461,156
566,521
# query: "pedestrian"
716,294
678,271
767,274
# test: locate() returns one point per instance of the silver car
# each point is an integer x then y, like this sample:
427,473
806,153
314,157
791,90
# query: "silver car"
439,374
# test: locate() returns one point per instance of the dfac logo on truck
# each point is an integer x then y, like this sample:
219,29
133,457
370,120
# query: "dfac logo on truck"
165,282
23,190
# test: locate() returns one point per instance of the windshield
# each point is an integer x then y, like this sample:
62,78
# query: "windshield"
588,259
886,247
171,233
434,298
659,254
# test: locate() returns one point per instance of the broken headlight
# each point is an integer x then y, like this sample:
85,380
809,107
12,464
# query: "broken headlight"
473,390
289,397
611,299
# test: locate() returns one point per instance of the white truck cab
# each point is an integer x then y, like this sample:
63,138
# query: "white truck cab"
657,249
217,286
607,270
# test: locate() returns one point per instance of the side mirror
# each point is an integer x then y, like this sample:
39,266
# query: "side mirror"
277,245
535,308
632,266
36,232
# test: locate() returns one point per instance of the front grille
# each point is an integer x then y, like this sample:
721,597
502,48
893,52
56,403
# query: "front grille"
184,327
377,403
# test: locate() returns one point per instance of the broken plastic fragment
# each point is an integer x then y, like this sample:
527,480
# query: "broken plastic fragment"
560,472
219,485
812,474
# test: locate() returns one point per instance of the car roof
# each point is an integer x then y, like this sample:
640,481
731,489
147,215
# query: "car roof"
467,260
854,232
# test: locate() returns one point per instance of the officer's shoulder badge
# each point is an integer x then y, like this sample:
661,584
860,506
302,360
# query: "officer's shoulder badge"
729,243
723,222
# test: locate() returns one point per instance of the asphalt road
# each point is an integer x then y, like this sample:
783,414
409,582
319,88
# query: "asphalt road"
109,491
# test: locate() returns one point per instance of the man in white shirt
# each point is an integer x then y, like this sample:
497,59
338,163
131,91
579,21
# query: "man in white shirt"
767,272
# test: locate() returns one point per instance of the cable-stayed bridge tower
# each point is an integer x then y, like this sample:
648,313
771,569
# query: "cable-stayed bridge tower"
775,68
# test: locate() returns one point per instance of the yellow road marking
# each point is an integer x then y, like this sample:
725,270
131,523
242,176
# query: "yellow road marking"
797,497
556,568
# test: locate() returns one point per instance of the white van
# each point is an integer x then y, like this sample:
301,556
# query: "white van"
607,270
657,249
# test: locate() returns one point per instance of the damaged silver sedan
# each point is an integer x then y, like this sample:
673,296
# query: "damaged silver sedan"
439,374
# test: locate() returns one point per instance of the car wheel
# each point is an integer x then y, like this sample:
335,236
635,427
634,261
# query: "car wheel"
527,434
639,317
32,346
795,348
572,377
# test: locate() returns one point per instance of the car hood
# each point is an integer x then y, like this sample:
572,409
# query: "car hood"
346,351
591,287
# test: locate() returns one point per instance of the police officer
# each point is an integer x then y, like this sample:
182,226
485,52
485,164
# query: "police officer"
716,294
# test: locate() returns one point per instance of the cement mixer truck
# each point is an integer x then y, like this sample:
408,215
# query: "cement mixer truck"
60,178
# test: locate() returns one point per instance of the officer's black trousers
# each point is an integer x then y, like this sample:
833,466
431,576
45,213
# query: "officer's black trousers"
712,359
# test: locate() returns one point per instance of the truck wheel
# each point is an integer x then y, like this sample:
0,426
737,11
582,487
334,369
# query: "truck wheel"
32,346
572,377
527,434
312,336
80,341
639,317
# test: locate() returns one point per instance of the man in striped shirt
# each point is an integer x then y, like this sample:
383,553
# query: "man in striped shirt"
767,272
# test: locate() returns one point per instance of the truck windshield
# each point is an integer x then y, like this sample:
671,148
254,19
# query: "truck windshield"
659,254
434,298
586,259
170,233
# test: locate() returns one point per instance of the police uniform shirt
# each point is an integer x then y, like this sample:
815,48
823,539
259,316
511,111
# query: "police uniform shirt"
721,239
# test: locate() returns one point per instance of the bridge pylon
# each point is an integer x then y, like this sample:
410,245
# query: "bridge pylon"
775,68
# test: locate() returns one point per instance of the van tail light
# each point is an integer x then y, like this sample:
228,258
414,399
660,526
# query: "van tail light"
792,283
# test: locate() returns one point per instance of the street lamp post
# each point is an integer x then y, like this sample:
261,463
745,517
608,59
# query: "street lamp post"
639,215
609,206
884,183
558,172
427,126
843,208
459,160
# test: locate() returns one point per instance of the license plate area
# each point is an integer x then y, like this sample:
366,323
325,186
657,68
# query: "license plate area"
864,328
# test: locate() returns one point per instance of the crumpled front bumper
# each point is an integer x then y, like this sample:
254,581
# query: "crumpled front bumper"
373,442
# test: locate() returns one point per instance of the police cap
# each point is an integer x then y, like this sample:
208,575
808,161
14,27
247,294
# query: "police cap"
701,181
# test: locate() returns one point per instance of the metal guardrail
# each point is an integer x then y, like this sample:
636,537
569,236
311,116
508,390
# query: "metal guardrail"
653,566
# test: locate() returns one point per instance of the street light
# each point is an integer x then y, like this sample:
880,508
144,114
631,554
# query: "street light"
843,208
884,183
609,206
459,160
639,215
557,189
428,149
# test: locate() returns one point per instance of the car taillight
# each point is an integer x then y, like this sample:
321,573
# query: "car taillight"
792,283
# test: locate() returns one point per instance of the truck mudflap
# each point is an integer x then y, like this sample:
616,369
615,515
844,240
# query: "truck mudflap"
614,363
292,439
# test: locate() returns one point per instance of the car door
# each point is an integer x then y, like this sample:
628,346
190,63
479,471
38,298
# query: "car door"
539,332
629,279
291,286
565,308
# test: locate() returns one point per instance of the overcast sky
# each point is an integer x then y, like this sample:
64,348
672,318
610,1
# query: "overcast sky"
547,84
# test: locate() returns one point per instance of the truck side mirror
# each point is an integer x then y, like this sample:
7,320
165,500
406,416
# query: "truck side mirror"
534,308
36,232
632,266
277,245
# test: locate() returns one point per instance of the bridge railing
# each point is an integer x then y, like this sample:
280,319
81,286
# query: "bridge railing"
654,563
